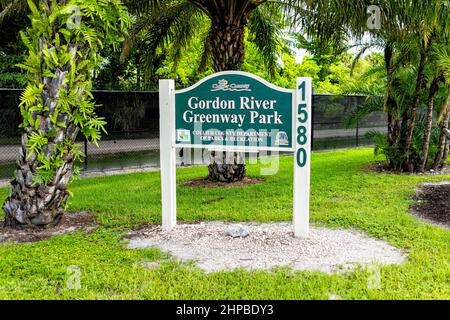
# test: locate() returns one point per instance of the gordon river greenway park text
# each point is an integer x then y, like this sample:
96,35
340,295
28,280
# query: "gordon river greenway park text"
245,103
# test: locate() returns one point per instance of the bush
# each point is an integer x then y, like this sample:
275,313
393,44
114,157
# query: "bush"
395,155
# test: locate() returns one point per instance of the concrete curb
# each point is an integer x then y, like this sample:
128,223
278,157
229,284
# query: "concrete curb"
109,172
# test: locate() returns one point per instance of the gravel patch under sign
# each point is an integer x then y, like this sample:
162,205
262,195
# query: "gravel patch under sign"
267,246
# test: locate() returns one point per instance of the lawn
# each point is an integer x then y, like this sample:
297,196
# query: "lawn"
343,195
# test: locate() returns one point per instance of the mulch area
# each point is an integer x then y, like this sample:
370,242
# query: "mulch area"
432,200
206,183
433,203
383,167
70,222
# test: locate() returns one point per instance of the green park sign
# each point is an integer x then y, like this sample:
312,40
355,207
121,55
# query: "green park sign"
236,111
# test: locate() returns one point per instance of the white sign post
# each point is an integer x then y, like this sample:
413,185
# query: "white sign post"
225,85
167,153
302,155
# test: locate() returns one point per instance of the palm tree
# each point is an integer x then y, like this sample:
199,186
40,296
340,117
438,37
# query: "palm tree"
442,55
409,32
63,55
417,29
223,25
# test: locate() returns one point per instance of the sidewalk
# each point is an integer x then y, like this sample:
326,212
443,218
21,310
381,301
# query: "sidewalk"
109,172
8,153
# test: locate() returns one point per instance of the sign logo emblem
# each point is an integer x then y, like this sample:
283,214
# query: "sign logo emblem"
223,85
183,135
282,139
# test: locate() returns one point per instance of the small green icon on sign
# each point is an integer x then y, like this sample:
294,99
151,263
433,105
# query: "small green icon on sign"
183,135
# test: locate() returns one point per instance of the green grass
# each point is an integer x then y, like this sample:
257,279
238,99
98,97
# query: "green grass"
343,195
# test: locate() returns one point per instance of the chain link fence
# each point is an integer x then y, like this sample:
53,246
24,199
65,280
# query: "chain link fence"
133,128
331,114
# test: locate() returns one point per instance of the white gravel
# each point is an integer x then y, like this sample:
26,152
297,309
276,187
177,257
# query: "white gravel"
267,246
434,184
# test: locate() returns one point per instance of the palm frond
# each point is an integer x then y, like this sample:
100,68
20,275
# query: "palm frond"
139,7
372,104
442,58
206,53
173,24
265,32
363,49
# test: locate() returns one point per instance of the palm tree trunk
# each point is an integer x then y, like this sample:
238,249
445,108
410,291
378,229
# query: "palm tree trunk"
227,54
138,75
227,166
393,121
411,122
393,128
228,48
445,155
428,124
443,147
57,103
31,202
